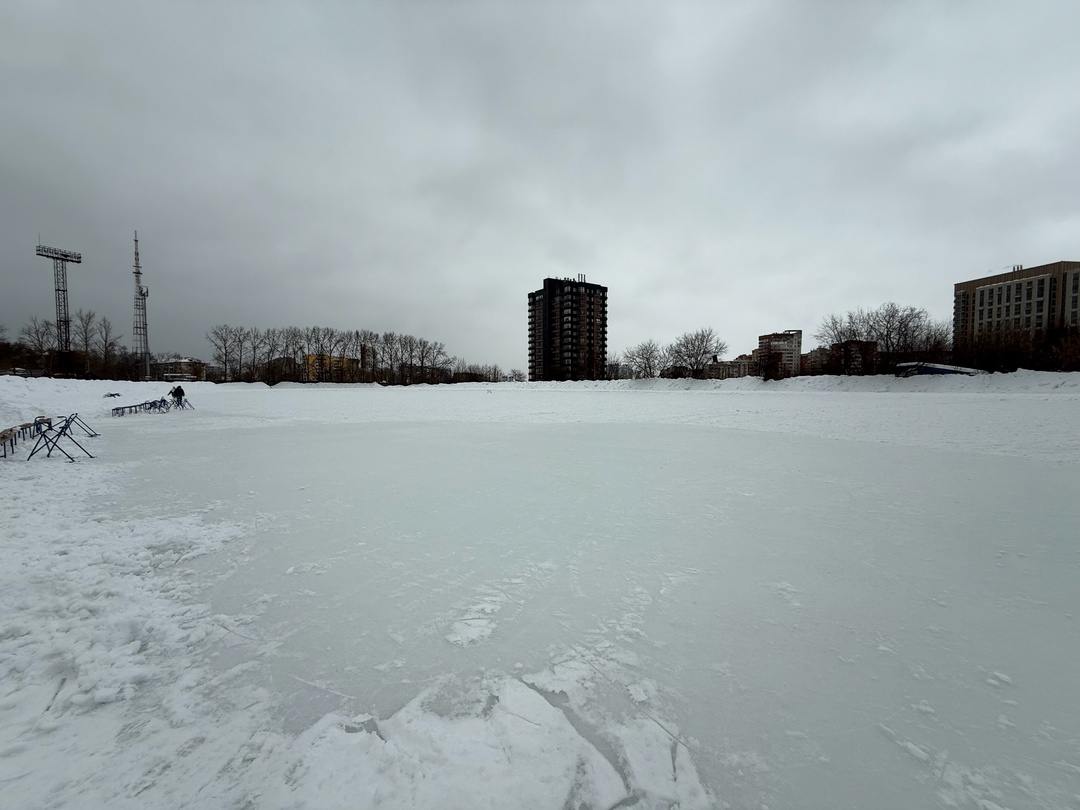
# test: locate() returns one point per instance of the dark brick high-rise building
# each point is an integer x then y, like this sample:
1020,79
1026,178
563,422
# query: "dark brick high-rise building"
567,330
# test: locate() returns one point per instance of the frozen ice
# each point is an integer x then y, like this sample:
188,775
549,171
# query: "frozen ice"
825,592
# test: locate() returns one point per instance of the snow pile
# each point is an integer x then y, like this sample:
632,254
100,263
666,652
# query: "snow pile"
476,748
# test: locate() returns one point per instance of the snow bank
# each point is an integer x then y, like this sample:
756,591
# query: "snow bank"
1017,382
21,399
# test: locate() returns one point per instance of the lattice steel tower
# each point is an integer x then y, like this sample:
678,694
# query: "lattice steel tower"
60,258
140,335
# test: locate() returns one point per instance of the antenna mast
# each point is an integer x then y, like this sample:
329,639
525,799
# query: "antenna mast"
139,333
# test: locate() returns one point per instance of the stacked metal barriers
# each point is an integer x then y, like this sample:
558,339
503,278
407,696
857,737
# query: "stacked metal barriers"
153,406
49,432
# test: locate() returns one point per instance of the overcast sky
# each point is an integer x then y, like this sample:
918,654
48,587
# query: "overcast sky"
420,167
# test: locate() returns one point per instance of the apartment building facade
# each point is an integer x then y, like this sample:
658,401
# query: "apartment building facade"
1028,300
568,330
785,347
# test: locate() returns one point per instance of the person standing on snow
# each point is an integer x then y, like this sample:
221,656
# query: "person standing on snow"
178,396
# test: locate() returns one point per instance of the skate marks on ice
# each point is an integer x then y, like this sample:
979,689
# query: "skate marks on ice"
103,691
477,618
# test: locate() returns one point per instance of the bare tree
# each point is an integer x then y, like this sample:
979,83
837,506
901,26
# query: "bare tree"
108,342
293,348
407,346
226,341
240,338
271,344
613,366
388,347
695,349
840,328
370,340
896,329
38,335
441,362
256,340
938,336
341,345
85,332
645,359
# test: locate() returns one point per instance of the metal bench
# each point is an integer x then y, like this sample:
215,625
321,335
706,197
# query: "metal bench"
8,439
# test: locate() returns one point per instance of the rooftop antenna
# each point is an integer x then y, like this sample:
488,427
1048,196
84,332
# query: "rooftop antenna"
60,258
139,333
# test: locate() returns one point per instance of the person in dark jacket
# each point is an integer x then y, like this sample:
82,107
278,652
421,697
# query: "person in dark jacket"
178,396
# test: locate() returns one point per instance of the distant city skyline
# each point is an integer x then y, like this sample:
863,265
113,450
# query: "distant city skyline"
749,166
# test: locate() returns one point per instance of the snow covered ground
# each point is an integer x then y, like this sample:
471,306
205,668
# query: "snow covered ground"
823,593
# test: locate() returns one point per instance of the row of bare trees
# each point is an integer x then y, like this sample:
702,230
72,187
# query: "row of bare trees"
691,351
898,330
325,354
95,345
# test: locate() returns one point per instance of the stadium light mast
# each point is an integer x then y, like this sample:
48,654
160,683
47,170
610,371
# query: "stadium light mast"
140,334
60,259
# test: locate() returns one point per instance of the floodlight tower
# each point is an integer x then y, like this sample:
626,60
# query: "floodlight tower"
60,258
139,333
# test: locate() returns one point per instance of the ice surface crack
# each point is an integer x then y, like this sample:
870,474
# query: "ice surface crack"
559,700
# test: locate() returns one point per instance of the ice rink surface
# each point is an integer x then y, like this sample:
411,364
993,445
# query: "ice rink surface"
823,593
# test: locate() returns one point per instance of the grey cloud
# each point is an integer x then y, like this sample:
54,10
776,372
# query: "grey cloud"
422,166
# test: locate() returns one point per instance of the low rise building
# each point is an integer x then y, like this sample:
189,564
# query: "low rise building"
330,367
178,369
719,369
677,373
815,361
854,358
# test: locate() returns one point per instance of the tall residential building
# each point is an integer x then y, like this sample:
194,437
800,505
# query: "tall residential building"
567,330
786,344
1031,300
